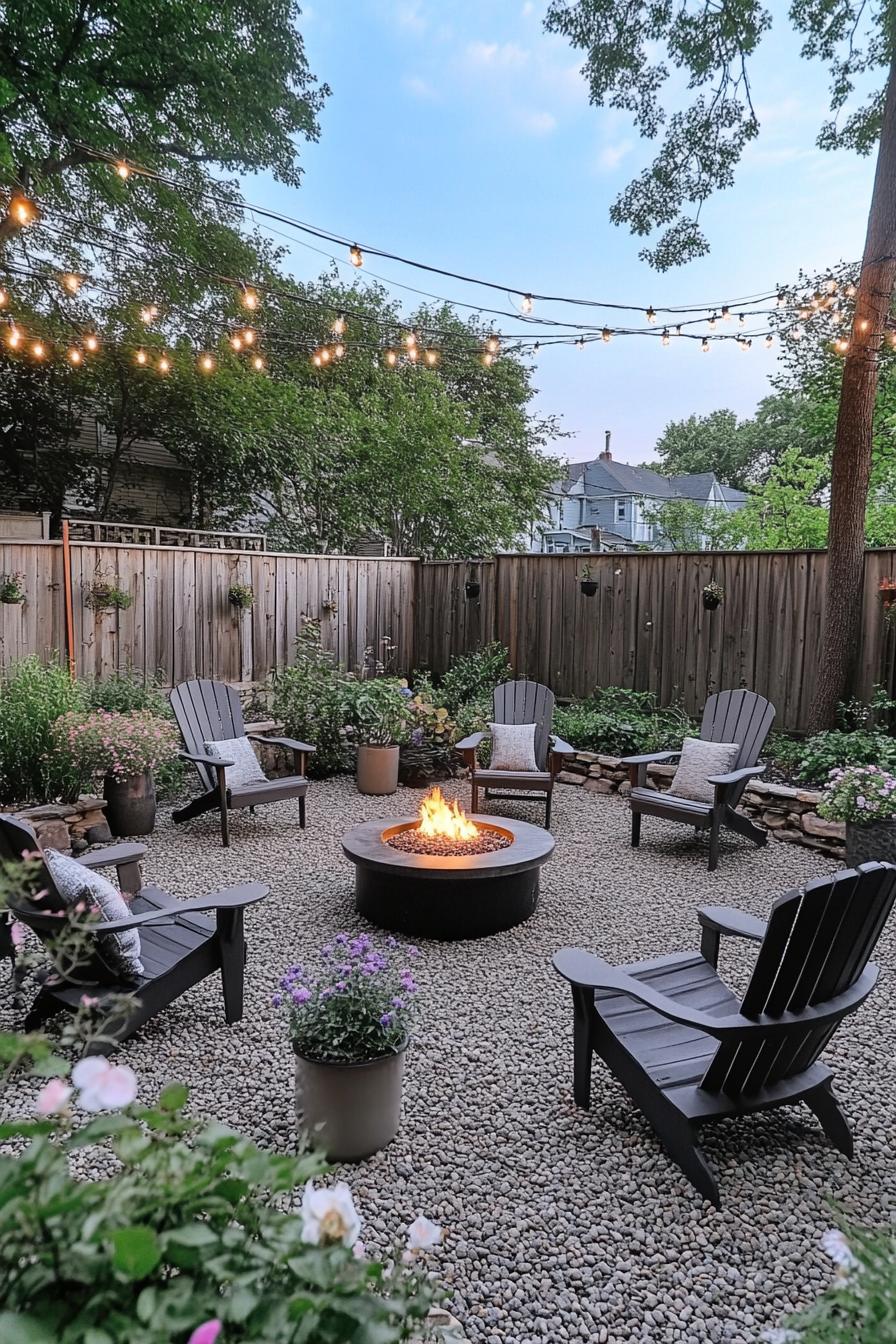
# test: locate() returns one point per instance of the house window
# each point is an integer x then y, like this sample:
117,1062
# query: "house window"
620,510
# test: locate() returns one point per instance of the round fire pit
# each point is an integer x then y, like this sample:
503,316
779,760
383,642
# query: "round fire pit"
447,896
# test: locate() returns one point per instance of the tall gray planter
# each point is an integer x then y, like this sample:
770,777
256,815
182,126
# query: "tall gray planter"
350,1110
867,844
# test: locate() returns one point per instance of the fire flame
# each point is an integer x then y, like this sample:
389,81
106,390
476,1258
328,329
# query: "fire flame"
438,817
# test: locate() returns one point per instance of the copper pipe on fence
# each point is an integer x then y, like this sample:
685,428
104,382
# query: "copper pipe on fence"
69,608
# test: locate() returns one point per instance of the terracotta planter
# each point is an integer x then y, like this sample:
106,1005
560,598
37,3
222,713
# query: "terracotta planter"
130,804
350,1111
869,844
377,771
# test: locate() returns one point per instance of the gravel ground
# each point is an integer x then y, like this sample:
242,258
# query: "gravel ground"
560,1224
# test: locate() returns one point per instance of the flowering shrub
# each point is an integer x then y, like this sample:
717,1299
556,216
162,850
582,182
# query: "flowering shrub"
860,1305
862,794
102,742
356,1007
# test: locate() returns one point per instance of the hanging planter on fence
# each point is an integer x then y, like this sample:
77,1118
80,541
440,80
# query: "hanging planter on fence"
887,590
104,595
472,588
11,591
586,583
713,595
241,596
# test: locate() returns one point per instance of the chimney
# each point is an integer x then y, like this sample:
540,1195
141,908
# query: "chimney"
606,455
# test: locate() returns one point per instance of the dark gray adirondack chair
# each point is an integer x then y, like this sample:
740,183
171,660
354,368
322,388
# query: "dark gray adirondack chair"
519,702
686,1052
178,947
729,716
210,711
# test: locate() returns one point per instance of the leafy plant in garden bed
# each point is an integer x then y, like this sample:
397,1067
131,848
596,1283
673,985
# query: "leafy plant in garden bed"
429,752
620,722
813,760
473,676
32,696
859,1307
12,588
311,700
378,712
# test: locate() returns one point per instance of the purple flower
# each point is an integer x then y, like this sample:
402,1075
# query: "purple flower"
386,1020
276,1000
326,993
341,938
397,1002
301,995
391,942
413,951
408,982
406,692
341,985
327,951
417,737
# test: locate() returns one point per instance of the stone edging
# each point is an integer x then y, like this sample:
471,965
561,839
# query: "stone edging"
787,813
71,826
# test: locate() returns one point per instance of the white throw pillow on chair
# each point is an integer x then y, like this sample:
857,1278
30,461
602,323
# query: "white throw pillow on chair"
245,768
699,760
513,747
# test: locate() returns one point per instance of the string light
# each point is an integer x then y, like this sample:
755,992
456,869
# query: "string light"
726,313
141,357
316,359
257,363
580,343
207,363
665,336
74,355
413,354
678,329
38,350
324,356
850,290
4,298
356,256
841,345
338,327
236,341
71,282
123,170
769,341
804,314
431,357
14,338
863,324
741,320
91,342
249,297
148,314
704,346
527,303
650,315
391,358
410,339
338,350
248,336
830,284
606,335
493,344
487,358
711,322
781,299
22,211
164,364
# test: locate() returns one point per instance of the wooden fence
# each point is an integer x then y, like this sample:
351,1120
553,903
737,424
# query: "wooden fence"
180,623
646,627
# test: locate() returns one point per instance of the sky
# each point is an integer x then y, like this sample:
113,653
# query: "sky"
461,135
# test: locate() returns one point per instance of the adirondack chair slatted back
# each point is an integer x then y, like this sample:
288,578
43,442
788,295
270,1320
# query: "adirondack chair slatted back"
817,944
526,702
16,840
738,716
206,711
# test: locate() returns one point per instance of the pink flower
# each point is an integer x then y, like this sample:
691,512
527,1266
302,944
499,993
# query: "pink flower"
17,933
103,1086
206,1333
52,1097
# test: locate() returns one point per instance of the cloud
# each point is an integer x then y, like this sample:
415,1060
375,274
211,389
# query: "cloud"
611,156
419,88
503,55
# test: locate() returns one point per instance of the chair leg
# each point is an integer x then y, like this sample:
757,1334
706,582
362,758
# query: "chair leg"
680,1140
742,825
582,1048
822,1101
474,800
302,813
233,961
636,829
547,809
225,827
41,1010
714,845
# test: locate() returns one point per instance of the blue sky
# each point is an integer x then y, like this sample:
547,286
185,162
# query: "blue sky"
460,134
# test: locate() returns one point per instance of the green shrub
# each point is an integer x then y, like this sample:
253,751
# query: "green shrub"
834,750
860,1305
622,723
312,699
32,697
473,676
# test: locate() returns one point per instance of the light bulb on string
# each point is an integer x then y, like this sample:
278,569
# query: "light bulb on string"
841,345
536,347
22,211
38,350
781,298
606,335
817,299
413,354
257,363
91,342
830,284
678,329
410,339
236,341
741,320
248,336
74,355
769,341
207,363
704,346
356,256
850,290
487,358
164,364
796,333
863,324
338,350
4,298
325,355
726,313
665,336
14,339
316,359
580,343
804,314
141,357
526,303
431,357
338,327
650,315
148,313
71,281
493,344
248,297
391,358
123,170
711,321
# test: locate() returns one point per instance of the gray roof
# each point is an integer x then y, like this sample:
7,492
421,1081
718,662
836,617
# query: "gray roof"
601,477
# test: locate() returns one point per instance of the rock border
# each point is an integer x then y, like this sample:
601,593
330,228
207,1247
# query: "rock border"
72,826
787,813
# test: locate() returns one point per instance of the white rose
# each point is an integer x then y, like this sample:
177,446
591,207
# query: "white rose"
423,1234
329,1216
103,1086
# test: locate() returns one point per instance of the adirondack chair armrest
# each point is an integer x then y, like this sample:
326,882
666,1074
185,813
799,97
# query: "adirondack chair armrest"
470,743
722,919
198,758
231,898
585,971
289,742
637,765
561,748
735,776
112,856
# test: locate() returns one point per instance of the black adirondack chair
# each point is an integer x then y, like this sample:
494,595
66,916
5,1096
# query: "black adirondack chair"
677,1040
519,702
730,716
210,711
178,947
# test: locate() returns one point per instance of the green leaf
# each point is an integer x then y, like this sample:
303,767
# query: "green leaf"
135,1251
16,1329
173,1097
52,1066
100,1128
194,1234
93,1336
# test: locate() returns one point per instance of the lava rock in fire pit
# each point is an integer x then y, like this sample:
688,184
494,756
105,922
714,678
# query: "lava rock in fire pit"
412,842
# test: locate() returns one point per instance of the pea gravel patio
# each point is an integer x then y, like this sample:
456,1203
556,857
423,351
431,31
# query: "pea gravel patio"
559,1224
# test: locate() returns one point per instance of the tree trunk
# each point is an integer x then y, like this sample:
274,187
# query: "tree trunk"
851,462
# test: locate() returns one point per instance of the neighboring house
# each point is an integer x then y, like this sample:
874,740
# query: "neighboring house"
606,505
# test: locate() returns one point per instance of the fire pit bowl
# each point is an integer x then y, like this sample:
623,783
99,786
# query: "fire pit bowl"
447,896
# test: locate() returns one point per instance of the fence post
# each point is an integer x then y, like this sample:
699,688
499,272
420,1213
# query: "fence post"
67,591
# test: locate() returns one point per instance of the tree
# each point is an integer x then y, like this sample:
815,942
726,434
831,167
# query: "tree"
629,54
688,525
787,512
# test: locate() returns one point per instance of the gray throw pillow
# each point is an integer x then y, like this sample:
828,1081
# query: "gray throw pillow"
74,882
698,761
245,768
513,747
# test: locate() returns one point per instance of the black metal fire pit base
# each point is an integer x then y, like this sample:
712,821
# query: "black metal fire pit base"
447,898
